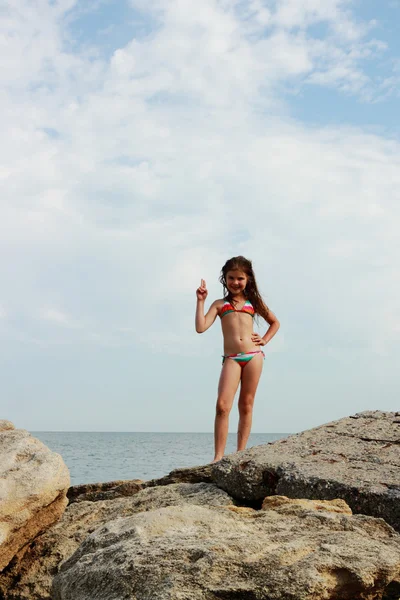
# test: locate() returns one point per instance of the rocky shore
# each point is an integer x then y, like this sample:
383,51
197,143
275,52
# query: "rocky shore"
315,516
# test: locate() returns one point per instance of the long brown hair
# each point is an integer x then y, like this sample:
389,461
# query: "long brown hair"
240,263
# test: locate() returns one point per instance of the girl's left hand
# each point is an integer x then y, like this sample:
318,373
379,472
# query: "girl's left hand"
257,339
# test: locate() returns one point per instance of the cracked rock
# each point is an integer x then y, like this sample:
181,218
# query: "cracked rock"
289,550
356,458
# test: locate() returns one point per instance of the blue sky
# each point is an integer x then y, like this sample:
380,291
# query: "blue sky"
149,142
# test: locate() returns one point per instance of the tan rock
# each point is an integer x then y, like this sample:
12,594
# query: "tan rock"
291,506
197,552
33,487
30,577
6,425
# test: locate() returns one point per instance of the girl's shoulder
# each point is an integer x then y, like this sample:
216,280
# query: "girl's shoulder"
219,303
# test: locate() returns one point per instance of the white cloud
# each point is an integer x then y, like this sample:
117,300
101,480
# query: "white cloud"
125,181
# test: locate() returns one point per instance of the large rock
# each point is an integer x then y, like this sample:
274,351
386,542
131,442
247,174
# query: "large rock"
289,550
356,458
33,487
31,577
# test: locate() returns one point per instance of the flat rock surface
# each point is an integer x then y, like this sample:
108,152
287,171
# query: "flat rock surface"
30,578
33,487
356,458
289,550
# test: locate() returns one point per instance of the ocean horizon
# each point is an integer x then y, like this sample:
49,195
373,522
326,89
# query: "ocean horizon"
98,456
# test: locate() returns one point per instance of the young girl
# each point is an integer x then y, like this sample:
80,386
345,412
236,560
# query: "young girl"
243,358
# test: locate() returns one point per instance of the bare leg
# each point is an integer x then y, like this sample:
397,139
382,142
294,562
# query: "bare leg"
227,387
250,378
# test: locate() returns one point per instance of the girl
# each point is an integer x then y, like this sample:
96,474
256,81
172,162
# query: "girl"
243,358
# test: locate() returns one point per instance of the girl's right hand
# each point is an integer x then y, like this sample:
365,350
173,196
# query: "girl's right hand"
201,291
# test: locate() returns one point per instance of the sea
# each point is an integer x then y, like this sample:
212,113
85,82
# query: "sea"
107,456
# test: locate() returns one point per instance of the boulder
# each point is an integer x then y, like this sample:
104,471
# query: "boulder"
356,458
30,578
33,487
288,550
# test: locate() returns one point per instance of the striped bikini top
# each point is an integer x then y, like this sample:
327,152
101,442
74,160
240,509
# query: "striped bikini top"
228,308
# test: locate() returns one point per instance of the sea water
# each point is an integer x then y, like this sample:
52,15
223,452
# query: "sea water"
105,456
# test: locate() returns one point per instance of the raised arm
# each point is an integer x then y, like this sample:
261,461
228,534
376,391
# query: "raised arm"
203,322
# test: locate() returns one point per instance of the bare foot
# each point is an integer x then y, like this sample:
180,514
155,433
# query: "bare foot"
216,460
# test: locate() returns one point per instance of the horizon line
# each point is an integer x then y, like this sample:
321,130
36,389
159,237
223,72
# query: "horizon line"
120,431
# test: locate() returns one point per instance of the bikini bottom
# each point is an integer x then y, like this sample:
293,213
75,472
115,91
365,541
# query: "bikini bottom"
242,358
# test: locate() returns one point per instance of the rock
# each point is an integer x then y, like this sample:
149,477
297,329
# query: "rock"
93,492
356,459
33,488
199,474
30,578
176,494
392,592
6,425
281,502
289,550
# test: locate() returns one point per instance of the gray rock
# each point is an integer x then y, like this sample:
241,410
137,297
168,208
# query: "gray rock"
33,487
93,492
289,550
30,577
356,458
197,474
176,494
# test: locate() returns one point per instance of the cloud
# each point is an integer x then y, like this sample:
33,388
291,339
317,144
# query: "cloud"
126,180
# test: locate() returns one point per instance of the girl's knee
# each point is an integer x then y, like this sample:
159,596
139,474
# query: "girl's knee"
222,410
246,404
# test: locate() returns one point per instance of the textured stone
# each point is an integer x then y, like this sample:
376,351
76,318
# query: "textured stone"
284,505
6,425
198,474
33,487
290,550
356,458
30,578
93,492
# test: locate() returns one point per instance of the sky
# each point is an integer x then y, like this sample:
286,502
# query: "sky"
145,143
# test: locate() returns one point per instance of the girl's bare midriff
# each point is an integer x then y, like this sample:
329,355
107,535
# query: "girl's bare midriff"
237,328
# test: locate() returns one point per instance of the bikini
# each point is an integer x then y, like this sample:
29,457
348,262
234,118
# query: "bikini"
242,358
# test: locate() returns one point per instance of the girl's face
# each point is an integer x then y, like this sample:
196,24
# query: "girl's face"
236,281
